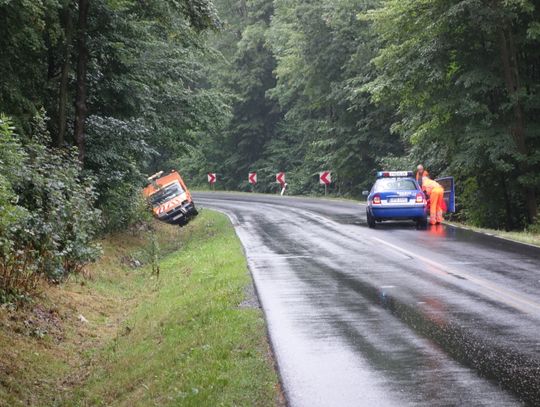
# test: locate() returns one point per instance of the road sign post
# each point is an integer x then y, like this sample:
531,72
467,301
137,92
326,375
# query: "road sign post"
325,178
280,178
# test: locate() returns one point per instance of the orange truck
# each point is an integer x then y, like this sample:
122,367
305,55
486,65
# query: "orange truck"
170,198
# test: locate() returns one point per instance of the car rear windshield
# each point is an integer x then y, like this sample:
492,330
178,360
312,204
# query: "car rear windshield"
394,184
166,194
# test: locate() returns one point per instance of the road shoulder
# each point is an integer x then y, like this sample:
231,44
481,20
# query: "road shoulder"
123,336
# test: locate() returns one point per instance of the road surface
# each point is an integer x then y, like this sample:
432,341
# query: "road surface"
392,316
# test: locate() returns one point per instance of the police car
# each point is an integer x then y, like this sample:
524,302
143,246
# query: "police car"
396,196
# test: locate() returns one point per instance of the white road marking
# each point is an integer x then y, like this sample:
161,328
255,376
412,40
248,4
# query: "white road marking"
509,297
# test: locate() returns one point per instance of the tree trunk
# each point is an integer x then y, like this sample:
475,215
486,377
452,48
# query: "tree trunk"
64,76
512,82
81,108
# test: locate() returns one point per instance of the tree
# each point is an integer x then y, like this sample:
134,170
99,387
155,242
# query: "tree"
63,87
81,108
461,75
119,65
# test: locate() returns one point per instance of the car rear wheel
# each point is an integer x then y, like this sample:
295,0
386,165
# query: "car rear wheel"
421,223
370,220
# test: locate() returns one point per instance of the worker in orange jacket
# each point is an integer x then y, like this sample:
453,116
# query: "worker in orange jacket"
436,199
420,173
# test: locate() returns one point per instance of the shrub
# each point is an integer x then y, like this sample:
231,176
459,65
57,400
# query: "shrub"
123,205
534,227
48,221
116,152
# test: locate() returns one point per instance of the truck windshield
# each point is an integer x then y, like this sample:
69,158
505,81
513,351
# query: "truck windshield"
394,184
166,194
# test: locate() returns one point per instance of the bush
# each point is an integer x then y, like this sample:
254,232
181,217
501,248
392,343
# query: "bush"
48,221
483,204
123,205
534,227
116,152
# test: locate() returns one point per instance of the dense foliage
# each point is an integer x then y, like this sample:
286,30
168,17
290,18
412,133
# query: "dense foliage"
123,82
464,77
356,86
48,219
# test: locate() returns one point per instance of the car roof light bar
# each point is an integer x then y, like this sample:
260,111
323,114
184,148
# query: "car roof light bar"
394,174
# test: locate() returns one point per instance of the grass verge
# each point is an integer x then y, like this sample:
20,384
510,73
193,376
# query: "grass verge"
516,236
125,337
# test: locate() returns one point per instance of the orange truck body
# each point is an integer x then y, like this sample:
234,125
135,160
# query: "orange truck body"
170,198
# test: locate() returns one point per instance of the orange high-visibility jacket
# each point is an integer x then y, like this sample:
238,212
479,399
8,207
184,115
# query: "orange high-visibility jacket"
429,185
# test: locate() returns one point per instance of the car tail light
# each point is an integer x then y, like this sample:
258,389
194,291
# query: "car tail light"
376,200
419,198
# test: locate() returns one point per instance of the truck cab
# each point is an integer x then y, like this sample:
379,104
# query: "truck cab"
170,198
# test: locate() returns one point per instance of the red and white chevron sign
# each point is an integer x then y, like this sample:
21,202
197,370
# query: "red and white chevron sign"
325,177
212,177
280,177
252,178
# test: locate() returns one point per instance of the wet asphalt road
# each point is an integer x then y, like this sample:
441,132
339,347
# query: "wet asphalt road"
392,316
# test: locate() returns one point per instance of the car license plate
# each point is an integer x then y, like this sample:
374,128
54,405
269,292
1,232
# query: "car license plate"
398,200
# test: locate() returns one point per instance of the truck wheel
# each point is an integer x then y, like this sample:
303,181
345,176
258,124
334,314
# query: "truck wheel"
183,222
370,220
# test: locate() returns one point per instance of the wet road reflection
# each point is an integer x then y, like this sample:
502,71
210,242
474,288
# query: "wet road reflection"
392,316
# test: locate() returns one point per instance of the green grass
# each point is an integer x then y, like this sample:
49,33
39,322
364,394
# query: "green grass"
189,343
177,339
517,236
